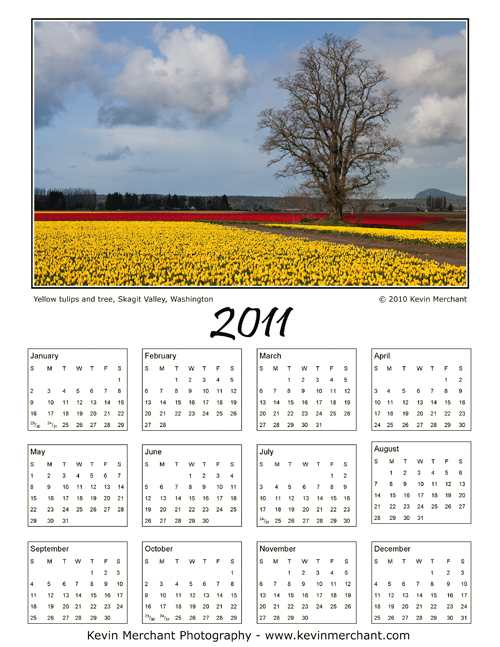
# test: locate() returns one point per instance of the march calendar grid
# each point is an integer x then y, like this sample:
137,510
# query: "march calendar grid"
311,389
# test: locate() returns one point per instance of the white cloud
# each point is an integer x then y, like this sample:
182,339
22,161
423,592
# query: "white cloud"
437,120
426,71
63,62
44,171
151,169
195,74
119,153
460,162
408,163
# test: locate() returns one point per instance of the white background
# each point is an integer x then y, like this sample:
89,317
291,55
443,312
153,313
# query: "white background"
350,318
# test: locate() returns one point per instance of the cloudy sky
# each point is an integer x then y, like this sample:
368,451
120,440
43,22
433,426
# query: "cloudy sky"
173,107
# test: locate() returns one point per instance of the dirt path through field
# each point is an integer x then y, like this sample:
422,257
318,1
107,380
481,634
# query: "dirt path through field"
425,252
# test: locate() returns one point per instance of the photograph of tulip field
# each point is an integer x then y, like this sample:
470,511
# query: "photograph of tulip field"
325,122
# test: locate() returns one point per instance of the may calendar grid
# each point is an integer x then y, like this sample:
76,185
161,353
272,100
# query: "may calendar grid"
77,485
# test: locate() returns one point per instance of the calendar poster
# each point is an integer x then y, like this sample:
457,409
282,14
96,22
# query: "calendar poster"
250,369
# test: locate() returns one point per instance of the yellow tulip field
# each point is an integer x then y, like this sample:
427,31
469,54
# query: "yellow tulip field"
79,253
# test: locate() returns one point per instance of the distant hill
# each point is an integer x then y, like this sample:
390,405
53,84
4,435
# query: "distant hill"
255,202
437,193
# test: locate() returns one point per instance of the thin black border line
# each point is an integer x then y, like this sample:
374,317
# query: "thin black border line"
250,287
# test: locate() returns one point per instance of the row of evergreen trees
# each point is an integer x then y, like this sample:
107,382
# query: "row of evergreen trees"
438,204
70,199
149,201
86,199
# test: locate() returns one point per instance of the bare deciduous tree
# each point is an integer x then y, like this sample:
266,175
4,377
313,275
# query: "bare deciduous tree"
333,129
362,201
302,200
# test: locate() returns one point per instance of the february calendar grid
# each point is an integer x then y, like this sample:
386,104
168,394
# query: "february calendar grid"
187,389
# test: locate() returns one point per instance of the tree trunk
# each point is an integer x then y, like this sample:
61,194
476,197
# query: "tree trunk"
334,213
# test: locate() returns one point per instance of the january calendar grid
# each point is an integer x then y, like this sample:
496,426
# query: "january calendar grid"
77,389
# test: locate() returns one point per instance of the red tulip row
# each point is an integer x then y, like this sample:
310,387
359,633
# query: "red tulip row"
392,221
169,216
